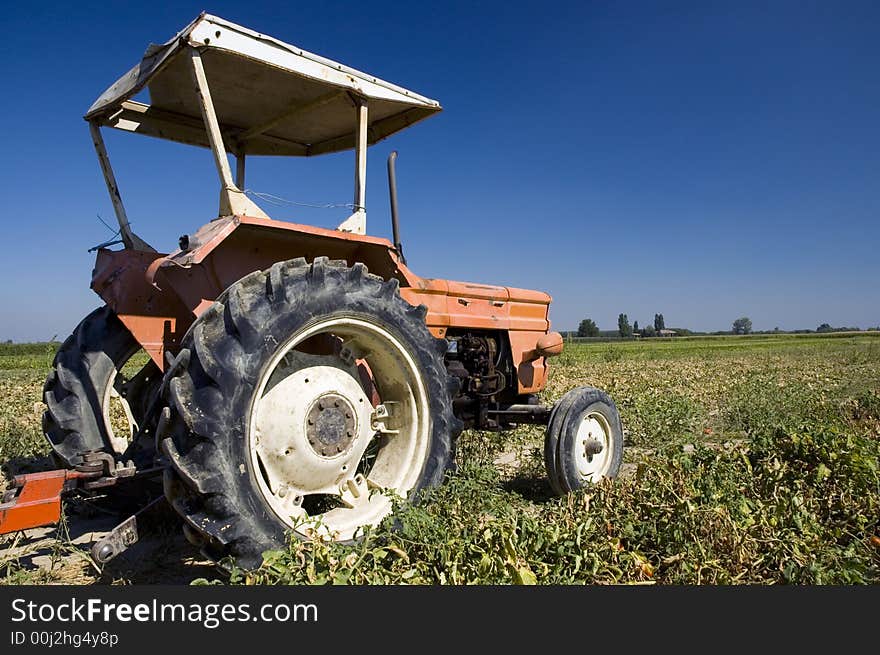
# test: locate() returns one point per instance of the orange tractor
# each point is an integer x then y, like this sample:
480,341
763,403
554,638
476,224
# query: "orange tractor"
295,378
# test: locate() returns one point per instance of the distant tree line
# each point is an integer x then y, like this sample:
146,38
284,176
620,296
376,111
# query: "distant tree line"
825,327
588,328
742,325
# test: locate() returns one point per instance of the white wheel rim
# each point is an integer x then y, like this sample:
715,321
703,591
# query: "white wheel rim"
311,424
593,433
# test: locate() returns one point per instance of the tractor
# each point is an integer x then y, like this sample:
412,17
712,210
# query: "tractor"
282,378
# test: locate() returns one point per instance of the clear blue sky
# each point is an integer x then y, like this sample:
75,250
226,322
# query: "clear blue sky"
703,160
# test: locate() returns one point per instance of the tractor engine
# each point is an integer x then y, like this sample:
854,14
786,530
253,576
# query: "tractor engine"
481,362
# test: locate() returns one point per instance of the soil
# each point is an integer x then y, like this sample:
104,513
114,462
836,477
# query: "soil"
61,554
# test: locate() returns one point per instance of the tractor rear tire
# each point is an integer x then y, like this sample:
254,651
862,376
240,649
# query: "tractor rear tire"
584,440
261,425
77,390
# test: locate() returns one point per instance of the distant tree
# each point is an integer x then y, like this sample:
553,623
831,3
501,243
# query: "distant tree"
742,325
635,327
659,323
648,331
623,326
588,328
824,328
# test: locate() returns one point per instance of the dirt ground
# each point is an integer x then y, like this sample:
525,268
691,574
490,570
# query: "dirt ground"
61,554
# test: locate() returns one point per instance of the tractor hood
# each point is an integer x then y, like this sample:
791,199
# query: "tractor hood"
271,98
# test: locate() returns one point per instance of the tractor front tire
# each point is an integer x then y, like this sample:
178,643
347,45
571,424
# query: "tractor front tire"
300,398
584,440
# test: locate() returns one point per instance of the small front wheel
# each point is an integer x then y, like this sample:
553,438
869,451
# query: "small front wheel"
584,441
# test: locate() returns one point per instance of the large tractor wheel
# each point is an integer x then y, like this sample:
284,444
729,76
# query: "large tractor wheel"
584,441
300,399
98,391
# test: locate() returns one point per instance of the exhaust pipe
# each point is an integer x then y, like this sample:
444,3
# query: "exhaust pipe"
392,191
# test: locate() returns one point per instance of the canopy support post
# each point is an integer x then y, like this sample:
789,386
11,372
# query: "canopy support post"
129,238
233,202
357,222
239,170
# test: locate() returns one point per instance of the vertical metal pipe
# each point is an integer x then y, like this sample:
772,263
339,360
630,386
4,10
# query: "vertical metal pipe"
392,192
239,171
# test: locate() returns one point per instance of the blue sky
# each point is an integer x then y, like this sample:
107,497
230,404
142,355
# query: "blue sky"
704,160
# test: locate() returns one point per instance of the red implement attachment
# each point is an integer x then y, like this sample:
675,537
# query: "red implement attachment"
35,500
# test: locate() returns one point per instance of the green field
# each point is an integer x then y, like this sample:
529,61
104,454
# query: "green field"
749,460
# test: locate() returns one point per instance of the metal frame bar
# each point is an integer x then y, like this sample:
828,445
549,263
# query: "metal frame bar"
129,238
239,170
232,200
290,112
209,116
360,156
357,222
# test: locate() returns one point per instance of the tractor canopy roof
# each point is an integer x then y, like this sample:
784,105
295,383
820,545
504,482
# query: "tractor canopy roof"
270,97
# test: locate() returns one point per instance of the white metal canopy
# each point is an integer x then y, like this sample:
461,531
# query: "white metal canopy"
270,97
222,86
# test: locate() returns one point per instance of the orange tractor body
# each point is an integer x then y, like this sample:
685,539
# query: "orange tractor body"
158,296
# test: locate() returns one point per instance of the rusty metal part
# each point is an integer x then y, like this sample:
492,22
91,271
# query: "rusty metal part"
157,319
35,499
122,537
331,425
521,414
104,468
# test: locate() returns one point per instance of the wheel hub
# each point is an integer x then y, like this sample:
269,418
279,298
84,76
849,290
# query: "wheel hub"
593,437
592,447
331,425
311,423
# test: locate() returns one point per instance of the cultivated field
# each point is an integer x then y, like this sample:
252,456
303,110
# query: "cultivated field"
749,460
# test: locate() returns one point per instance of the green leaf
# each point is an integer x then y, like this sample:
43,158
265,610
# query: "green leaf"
524,576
